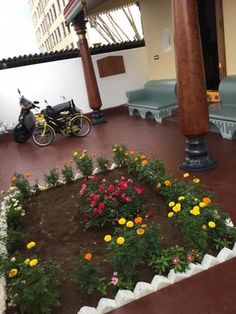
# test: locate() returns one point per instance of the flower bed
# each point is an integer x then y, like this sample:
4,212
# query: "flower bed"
103,229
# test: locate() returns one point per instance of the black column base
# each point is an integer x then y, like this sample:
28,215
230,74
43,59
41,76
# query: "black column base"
197,157
97,117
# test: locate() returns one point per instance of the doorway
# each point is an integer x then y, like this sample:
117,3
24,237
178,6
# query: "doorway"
209,21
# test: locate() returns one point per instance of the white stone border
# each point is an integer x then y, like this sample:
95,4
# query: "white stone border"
141,289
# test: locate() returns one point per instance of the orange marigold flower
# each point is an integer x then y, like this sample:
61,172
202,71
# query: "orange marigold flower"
144,162
93,154
143,157
167,183
158,185
13,179
88,256
132,152
206,200
28,174
138,220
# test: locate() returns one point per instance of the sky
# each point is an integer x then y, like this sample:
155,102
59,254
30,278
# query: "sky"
16,29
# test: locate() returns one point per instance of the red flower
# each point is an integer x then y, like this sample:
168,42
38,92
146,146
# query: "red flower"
110,188
101,206
149,214
123,185
139,190
83,189
101,188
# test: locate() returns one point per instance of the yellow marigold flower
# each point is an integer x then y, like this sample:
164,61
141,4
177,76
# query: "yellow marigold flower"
107,238
204,227
122,221
136,159
143,226
195,211
120,240
177,208
129,224
206,200
181,198
211,224
170,214
30,245
171,204
202,204
132,152
186,174
33,262
114,149
158,185
196,180
140,231
12,273
138,220
167,183
26,261
75,154
217,216
88,256
144,162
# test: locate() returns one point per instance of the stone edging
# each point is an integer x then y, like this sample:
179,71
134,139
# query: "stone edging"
141,289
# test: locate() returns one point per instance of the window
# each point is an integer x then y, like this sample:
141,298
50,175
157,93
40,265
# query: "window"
64,29
59,33
59,6
54,11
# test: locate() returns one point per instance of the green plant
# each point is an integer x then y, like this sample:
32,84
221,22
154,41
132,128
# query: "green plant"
120,155
14,212
177,258
68,173
104,202
86,274
103,163
84,162
14,240
52,178
23,186
32,287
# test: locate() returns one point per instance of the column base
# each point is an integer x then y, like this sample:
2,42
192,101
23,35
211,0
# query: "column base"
197,158
97,117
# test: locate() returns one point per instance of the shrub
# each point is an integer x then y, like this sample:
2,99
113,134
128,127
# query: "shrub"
52,178
68,173
103,163
84,162
120,155
23,186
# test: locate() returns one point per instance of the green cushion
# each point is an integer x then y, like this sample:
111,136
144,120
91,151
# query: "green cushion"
227,90
223,112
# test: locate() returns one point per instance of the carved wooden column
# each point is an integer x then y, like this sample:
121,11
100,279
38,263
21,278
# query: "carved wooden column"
94,98
192,100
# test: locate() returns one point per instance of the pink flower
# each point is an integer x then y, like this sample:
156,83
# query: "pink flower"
104,180
114,281
139,190
93,203
101,206
128,199
94,197
130,180
190,258
83,189
175,260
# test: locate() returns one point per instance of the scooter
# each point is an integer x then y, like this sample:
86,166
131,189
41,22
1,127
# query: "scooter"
27,121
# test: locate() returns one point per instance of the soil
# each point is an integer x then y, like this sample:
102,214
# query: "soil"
52,221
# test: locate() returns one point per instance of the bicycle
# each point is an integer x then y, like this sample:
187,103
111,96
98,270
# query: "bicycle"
64,118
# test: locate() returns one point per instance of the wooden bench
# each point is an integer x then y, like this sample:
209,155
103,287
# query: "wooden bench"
222,116
156,100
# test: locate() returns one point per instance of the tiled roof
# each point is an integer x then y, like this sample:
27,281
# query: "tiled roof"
65,54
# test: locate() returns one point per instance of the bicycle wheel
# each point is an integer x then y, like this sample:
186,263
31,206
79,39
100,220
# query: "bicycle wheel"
80,126
43,135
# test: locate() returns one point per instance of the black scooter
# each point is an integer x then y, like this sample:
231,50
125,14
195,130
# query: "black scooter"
24,129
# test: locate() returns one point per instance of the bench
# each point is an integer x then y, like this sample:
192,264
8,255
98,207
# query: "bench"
222,115
156,100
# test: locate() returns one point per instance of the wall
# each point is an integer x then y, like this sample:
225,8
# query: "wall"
229,12
156,16
52,80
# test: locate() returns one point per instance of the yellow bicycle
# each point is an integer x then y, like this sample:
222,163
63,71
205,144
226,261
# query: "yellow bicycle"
63,119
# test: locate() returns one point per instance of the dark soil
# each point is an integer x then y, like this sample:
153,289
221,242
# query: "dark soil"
52,221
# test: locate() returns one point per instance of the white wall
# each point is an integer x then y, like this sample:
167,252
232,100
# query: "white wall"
51,80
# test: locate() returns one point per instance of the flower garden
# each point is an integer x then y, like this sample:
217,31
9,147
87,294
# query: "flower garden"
68,245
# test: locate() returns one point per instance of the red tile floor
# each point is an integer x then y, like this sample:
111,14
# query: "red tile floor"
212,291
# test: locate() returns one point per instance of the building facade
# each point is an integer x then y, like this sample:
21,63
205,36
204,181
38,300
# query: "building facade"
51,32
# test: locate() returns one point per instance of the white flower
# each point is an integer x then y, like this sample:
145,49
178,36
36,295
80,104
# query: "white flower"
13,259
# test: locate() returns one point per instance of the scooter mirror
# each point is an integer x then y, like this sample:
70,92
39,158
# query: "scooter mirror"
36,102
18,91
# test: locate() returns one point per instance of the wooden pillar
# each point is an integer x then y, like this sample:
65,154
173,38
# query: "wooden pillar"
94,98
191,87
